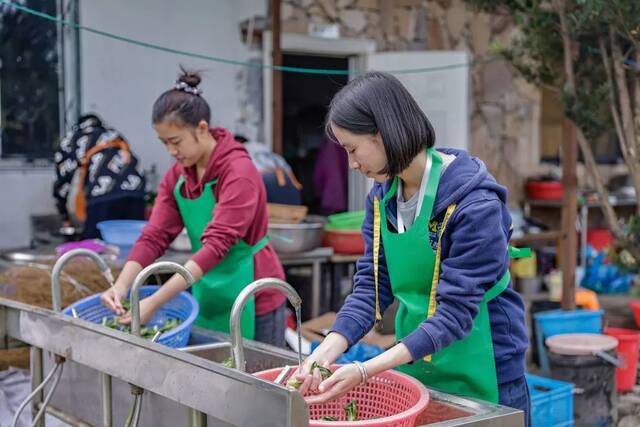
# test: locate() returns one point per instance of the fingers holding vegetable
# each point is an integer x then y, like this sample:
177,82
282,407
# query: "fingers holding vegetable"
147,309
112,298
310,378
122,323
343,380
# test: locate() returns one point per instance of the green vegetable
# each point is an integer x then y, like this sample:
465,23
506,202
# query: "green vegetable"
229,363
294,382
324,372
351,410
328,418
126,304
146,332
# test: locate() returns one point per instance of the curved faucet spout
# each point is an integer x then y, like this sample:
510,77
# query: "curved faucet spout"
62,261
238,306
158,267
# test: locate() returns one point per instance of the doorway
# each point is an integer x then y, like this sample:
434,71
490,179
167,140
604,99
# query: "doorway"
319,164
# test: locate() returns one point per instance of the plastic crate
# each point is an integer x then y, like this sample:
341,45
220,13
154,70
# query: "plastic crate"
556,322
551,402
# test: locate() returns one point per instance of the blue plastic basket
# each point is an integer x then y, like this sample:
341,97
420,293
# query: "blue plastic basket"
551,402
556,322
183,306
121,232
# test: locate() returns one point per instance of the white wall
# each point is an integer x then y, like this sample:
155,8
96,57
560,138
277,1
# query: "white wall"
443,95
23,193
121,81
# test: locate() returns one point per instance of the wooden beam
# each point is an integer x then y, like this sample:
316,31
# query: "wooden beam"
276,79
569,240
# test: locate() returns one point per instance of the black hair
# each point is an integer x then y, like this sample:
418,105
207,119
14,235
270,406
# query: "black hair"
240,138
378,102
182,103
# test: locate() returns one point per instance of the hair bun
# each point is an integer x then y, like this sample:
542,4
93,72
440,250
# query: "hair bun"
190,77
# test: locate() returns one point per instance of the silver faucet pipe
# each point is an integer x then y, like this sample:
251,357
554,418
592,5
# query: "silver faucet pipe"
62,261
158,267
236,314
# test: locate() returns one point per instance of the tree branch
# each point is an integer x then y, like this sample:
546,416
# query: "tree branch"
566,46
603,195
622,142
623,93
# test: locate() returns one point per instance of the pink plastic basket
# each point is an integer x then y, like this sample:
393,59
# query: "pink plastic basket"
395,399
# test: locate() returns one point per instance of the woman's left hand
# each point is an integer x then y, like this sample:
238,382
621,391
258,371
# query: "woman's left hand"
147,309
341,382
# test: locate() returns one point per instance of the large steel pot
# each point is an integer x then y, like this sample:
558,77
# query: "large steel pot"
302,237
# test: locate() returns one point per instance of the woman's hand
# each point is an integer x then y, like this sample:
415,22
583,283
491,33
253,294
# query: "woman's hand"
112,298
341,382
148,307
326,353
308,378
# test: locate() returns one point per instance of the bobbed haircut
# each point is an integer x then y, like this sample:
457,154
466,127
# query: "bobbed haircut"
377,102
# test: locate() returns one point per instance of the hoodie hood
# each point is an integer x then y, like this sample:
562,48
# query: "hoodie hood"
463,176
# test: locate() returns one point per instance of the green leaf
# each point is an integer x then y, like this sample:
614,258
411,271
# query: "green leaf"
229,363
351,410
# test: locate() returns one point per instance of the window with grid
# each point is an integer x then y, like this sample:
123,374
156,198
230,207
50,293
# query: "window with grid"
29,82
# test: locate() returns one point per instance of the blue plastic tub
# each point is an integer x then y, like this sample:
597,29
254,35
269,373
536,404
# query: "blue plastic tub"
556,322
183,306
121,232
551,402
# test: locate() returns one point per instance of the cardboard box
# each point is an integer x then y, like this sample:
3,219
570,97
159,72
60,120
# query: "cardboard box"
316,328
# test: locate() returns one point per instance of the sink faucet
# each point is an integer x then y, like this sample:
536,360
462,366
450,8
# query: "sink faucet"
62,261
158,267
237,350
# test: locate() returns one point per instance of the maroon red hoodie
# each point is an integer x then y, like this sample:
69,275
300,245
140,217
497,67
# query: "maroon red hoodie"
240,213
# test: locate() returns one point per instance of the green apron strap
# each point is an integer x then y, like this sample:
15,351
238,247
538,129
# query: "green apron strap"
517,253
260,245
498,287
514,253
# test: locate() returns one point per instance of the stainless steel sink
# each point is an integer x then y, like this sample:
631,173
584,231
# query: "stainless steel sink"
216,347
78,392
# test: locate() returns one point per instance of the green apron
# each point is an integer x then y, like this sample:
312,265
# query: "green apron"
217,290
466,367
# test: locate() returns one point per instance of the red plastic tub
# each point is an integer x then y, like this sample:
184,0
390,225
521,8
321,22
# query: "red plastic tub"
628,346
544,190
635,307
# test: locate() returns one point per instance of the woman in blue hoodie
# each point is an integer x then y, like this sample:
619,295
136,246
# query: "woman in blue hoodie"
436,231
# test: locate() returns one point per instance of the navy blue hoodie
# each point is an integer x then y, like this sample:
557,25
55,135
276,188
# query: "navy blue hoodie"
474,258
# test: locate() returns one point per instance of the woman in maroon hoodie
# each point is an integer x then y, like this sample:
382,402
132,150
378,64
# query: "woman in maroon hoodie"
217,194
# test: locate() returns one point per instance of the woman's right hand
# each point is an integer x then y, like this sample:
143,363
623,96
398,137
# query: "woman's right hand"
310,380
326,353
113,297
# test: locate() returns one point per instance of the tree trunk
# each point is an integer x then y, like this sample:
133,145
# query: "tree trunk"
585,148
630,159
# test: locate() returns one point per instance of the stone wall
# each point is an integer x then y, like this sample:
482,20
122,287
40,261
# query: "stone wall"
505,110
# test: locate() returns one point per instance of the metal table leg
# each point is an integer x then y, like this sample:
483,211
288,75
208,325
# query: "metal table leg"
336,284
315,288
36,380
105,382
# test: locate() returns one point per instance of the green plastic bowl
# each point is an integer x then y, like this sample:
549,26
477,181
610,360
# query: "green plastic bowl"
346,221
